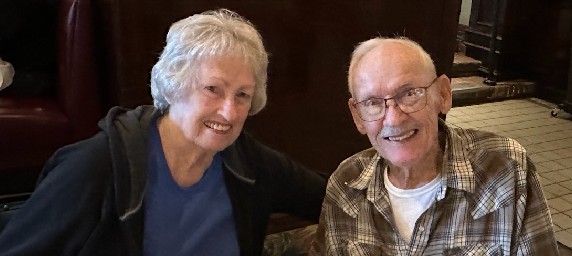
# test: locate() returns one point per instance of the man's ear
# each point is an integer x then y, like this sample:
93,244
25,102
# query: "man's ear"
445,94
357,120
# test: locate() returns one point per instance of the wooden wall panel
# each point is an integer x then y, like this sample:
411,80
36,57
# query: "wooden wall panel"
310,43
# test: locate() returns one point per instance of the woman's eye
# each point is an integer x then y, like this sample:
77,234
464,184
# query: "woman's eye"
243,95
210,88
213,89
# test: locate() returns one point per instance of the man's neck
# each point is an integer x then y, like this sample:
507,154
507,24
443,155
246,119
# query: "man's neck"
415,176
410,178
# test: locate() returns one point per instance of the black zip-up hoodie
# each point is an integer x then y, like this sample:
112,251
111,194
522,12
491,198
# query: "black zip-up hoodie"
90,195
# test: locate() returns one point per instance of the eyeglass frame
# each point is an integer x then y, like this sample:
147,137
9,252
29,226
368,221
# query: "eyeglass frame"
425,88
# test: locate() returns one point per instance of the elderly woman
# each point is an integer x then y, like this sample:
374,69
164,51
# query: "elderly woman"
179,177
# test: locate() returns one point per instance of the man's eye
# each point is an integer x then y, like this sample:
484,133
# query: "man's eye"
372,103
410,93
420,92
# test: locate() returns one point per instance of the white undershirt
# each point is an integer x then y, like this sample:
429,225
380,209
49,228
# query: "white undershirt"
408,204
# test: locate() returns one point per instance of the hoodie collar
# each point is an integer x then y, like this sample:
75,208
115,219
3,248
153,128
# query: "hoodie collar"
237,162
128,131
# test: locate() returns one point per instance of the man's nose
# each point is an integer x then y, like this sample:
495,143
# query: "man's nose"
393,114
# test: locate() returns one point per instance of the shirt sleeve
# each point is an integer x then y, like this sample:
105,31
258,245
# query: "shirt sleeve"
65,207
535,235
333,226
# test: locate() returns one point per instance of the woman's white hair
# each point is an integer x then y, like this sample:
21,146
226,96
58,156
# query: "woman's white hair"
209,34
364,47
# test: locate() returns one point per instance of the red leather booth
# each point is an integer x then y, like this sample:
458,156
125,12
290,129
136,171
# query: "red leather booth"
33,127
106,49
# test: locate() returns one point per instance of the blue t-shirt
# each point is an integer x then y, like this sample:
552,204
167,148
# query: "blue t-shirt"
197,220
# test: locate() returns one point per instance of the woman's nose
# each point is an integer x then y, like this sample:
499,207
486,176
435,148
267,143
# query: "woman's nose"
228,109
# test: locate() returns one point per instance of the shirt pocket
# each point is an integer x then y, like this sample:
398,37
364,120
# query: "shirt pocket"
358,248
477,249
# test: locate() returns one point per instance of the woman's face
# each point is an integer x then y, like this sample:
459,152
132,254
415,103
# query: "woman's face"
212,113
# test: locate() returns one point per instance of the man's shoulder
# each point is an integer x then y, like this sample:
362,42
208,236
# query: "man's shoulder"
340,193
351,168
498,164
485,142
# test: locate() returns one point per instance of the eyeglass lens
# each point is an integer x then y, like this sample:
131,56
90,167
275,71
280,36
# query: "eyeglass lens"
408,102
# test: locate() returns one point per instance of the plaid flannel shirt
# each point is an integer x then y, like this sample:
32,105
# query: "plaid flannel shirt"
490,202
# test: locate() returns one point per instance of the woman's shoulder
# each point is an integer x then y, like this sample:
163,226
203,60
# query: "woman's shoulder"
85,161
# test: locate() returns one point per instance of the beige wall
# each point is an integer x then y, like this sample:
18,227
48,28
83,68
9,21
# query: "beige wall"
465,12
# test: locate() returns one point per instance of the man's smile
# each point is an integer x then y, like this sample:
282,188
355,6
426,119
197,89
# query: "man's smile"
401,137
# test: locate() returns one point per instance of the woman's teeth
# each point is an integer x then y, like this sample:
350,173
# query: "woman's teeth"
218,127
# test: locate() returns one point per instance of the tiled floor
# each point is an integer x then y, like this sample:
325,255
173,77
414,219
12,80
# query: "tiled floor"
548,141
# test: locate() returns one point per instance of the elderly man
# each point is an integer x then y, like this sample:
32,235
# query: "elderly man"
426,188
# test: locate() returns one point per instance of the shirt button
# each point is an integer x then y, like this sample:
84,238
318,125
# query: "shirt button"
421,229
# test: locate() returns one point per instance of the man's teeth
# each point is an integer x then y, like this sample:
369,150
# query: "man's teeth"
218,127
402,137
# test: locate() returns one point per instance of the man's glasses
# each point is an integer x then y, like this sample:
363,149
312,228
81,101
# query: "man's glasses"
408,101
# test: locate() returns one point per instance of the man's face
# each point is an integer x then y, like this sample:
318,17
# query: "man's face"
406,140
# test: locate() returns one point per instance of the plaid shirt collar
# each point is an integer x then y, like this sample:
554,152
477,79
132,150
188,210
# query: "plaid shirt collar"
457,171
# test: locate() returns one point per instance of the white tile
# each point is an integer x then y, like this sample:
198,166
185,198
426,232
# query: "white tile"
557,190
566,162
562,220
560,205
548,195
564,237
552,165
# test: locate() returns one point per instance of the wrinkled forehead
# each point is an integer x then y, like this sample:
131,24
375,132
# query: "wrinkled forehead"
387,69
207,64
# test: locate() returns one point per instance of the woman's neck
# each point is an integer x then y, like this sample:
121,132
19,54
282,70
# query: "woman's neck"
187,162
